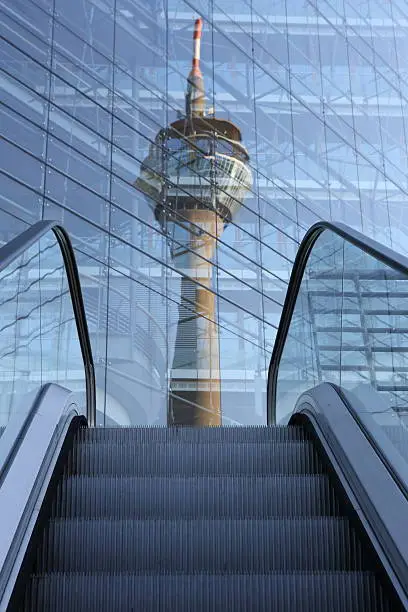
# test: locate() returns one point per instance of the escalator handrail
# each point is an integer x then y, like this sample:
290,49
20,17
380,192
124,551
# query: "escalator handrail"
378,251
16,247
377,498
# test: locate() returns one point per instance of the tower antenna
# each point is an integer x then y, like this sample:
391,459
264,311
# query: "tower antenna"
195,97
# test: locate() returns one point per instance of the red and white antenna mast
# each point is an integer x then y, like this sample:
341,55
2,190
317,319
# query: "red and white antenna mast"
195,98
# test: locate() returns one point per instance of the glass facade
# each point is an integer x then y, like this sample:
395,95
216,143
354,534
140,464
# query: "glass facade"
348,328
39,340
319,91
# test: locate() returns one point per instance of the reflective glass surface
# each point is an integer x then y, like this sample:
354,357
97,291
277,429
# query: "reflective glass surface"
319,91
38,334
349,327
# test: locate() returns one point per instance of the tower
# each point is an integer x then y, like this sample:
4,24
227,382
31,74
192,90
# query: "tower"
196,176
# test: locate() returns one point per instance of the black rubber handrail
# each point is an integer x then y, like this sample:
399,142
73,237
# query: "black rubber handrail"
16,247
381,253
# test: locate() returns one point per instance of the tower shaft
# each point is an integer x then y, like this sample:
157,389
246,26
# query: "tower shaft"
201,405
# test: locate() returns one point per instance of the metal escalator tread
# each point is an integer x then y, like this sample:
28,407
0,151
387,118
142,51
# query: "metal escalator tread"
230,434
209,545
289,592
161,497
205,519
195,458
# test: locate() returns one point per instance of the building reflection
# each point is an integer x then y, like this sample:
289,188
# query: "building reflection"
197,173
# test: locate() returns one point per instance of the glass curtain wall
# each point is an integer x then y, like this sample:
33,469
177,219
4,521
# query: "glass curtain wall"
319,90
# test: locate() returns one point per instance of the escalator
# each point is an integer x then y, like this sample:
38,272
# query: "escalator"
308,514
171,519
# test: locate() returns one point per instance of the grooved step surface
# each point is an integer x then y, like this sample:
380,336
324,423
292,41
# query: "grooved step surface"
191,434
195,497
325,592
194,458
226,546
199,520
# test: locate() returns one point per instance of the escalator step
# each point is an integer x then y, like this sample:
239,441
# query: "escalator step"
192,434
195,497
194,459
211,519
207,545
317,592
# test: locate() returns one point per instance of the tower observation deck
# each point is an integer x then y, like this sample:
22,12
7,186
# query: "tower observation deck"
196,175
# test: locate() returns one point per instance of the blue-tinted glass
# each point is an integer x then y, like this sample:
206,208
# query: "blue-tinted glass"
20,98
26,134
349,328
81,65
79,137
319,93
80,106
19,164
24,68
10,225
84,237
78,167
28,27
91,21
20,202
38,335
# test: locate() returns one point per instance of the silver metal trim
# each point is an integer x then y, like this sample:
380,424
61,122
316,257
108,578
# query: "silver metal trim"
25,482
376,497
